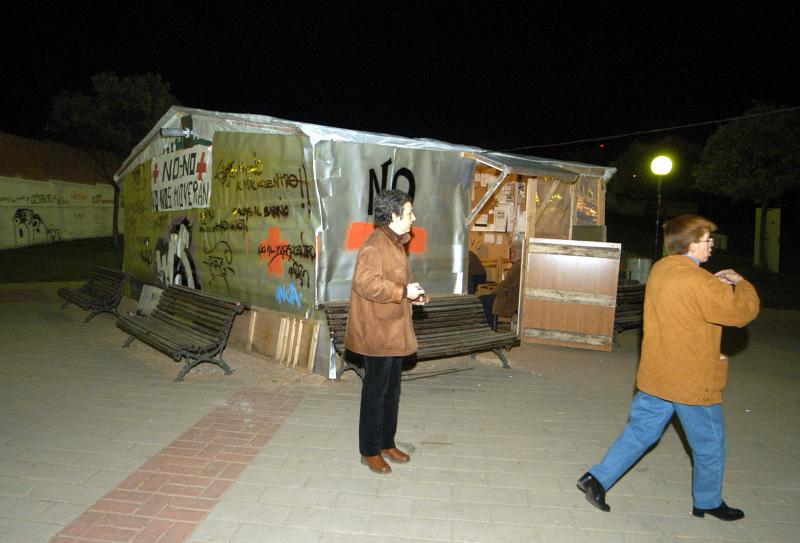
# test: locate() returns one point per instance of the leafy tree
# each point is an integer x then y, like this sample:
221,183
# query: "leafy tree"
109,122
634,178
754,158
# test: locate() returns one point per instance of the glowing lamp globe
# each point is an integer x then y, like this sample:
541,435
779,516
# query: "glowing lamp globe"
661,165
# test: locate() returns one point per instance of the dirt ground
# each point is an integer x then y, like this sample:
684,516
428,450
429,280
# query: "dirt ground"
264,371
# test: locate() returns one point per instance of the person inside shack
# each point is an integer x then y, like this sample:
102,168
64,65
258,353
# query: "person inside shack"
503,303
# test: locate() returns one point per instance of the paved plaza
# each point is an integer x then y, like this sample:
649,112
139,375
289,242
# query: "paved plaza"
98,444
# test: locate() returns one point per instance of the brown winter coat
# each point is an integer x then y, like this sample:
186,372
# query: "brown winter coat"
379,321
507,293
685,308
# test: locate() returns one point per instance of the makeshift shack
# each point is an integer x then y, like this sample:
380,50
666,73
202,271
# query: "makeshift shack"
568,273
273,212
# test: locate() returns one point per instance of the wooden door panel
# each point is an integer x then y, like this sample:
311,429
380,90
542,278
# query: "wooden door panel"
569,294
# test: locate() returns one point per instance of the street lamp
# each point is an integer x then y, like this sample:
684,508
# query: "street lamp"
661,166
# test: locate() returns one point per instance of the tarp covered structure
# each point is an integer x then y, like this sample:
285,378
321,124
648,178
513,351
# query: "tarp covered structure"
273,211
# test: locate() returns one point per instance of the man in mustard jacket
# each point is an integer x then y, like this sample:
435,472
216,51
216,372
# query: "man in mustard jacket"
681,369
379,326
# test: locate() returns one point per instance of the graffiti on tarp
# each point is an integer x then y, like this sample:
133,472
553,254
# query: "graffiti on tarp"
277,211
250,177
207,223
143,249
277,250
218,260
135,209
232,171
288,295
174,262
29,228
401,173
138,178
298,273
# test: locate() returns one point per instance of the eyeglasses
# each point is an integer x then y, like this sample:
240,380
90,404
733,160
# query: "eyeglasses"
710,241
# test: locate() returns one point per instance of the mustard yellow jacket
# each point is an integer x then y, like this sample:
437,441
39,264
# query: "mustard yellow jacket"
685,308
379,320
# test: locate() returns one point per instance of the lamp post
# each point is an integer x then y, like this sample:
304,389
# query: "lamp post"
661,166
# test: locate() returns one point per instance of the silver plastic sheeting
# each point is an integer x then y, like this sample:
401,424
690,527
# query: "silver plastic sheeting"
202,124
266,239
344,169
528,166
552,209
350,174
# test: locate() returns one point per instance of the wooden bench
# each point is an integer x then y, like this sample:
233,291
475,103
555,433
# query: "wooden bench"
186,323
629,313
449,325
101,293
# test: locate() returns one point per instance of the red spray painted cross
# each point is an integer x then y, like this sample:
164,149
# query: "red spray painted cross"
201,167
275,249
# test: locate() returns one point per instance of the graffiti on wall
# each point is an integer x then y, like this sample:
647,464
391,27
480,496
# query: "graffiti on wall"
34,212
29,228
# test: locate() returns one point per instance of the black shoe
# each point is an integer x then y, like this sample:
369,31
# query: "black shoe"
595,493
723,512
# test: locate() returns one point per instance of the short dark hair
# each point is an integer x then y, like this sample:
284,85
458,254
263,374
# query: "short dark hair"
388,202
683,230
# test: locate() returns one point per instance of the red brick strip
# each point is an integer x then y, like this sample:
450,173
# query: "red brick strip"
170,494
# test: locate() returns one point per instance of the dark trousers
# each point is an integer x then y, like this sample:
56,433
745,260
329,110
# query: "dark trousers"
380,400
487,300
474,281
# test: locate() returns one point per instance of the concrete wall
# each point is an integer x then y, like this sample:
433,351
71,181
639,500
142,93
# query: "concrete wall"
50,192
34,212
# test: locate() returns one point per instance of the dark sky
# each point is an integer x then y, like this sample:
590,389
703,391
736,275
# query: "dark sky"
493,75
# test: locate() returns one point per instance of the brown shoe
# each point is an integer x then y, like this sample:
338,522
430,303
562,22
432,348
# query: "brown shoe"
396,455
376,464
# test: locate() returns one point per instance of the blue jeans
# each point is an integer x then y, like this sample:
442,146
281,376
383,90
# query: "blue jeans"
704,429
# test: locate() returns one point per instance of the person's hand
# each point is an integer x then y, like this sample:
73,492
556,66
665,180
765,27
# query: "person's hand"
422,300
414,291
728,276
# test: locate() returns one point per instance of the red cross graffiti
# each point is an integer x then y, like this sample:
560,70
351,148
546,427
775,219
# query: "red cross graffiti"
273,249
155,172
201,166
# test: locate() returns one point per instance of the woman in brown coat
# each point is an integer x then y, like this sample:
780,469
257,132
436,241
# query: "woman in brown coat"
379,327
681,370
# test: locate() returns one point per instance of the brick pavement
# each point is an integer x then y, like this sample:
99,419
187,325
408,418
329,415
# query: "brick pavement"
495,452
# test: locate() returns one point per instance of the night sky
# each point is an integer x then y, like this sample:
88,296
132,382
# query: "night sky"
492,76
